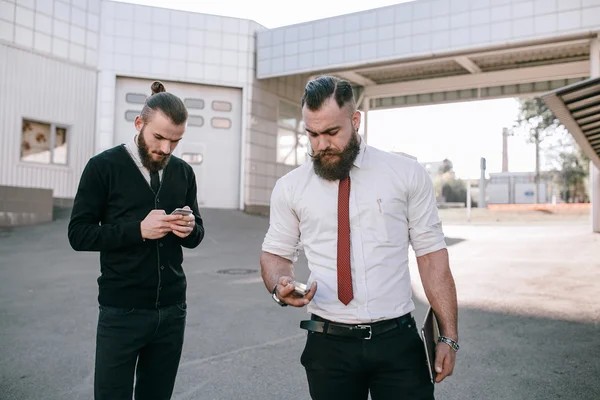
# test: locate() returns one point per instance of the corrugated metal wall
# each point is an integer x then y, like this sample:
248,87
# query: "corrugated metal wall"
44,89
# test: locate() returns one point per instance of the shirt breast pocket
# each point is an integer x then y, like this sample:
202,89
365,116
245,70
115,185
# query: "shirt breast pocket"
392,219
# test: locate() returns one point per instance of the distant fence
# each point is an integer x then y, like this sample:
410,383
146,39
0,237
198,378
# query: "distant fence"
450,205
540,207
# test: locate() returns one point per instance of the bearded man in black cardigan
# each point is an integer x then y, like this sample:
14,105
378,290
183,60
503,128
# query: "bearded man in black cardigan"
123,210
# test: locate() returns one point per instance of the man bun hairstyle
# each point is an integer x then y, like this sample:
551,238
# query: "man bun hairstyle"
320,89
167,103
157,87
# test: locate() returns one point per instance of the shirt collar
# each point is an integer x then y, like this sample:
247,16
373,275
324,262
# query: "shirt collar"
132,147
359,158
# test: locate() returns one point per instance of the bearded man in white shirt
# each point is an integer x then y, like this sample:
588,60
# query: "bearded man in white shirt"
354,209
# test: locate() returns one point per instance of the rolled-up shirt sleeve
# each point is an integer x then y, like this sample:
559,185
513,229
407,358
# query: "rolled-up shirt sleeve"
283,236
424,225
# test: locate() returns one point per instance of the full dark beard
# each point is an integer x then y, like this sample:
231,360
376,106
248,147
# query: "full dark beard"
341,168
146,157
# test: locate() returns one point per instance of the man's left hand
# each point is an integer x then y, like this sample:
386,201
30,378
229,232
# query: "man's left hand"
184,226
445,358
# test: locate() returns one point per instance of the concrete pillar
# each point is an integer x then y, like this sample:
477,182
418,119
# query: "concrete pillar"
595,200
482,184
595,58
594,171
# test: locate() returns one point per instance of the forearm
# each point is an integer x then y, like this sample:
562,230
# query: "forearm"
92,237
440,290
274,267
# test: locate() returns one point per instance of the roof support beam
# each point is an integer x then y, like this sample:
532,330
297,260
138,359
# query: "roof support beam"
468,64
355,77
579,69
501,51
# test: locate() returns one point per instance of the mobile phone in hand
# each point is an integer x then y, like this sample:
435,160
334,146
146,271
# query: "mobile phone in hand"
181,211
300,289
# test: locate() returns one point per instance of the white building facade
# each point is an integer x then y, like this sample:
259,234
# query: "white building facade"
74,73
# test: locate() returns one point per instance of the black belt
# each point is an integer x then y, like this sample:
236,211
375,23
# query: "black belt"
357,331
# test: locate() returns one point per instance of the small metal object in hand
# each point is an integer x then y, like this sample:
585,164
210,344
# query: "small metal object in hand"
300,289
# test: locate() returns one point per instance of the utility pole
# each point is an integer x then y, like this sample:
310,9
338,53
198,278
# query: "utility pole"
505,134
537,168
482,185
469,200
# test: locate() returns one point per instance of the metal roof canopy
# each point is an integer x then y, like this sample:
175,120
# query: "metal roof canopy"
577,107
518,69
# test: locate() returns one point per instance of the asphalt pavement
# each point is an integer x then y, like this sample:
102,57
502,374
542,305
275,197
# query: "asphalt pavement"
529,315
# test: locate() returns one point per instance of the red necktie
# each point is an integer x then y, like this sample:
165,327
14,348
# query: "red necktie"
344,274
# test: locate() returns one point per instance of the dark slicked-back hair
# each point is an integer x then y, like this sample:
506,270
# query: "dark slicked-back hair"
168,103
320,89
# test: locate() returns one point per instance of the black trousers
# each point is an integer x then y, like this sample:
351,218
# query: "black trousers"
151,339
392,366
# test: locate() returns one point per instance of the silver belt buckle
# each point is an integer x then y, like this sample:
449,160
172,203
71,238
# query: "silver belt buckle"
366,327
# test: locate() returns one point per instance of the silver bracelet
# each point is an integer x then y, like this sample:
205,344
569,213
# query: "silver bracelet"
449,342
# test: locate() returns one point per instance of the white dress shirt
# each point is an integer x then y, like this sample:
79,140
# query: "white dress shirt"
132,149
392,204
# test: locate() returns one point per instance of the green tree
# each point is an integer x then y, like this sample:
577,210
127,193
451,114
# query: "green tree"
451,189
571,176
446,166
539,123
567,163
455,191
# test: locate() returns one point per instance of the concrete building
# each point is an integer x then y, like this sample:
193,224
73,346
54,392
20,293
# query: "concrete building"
517,188
75,72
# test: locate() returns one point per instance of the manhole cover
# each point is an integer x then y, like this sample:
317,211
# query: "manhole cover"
237,271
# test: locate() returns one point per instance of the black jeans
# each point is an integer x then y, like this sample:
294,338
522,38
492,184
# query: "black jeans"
391,366
152,339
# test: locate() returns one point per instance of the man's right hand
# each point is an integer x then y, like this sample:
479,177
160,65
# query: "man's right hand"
157,224
285,292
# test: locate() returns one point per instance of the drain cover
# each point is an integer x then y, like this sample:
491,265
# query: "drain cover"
237,271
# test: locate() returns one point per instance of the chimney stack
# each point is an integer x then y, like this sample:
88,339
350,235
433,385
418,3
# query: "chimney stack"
505,135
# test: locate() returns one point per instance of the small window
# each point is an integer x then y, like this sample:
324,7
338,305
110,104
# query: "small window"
292,143
289,116
43,143
135,98
192,158
221,123
131,114
194,103
195,120
59,156
221,105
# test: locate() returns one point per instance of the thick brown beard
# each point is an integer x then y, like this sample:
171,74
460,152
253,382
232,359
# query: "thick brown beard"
341,168
146,156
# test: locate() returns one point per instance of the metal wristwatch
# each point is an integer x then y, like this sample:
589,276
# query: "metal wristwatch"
277,300
449,342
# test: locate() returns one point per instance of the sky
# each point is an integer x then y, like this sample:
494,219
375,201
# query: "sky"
461,132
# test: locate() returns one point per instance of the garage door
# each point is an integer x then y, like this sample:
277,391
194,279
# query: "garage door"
212,141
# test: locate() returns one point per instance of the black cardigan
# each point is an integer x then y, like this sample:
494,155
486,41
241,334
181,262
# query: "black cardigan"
112,200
